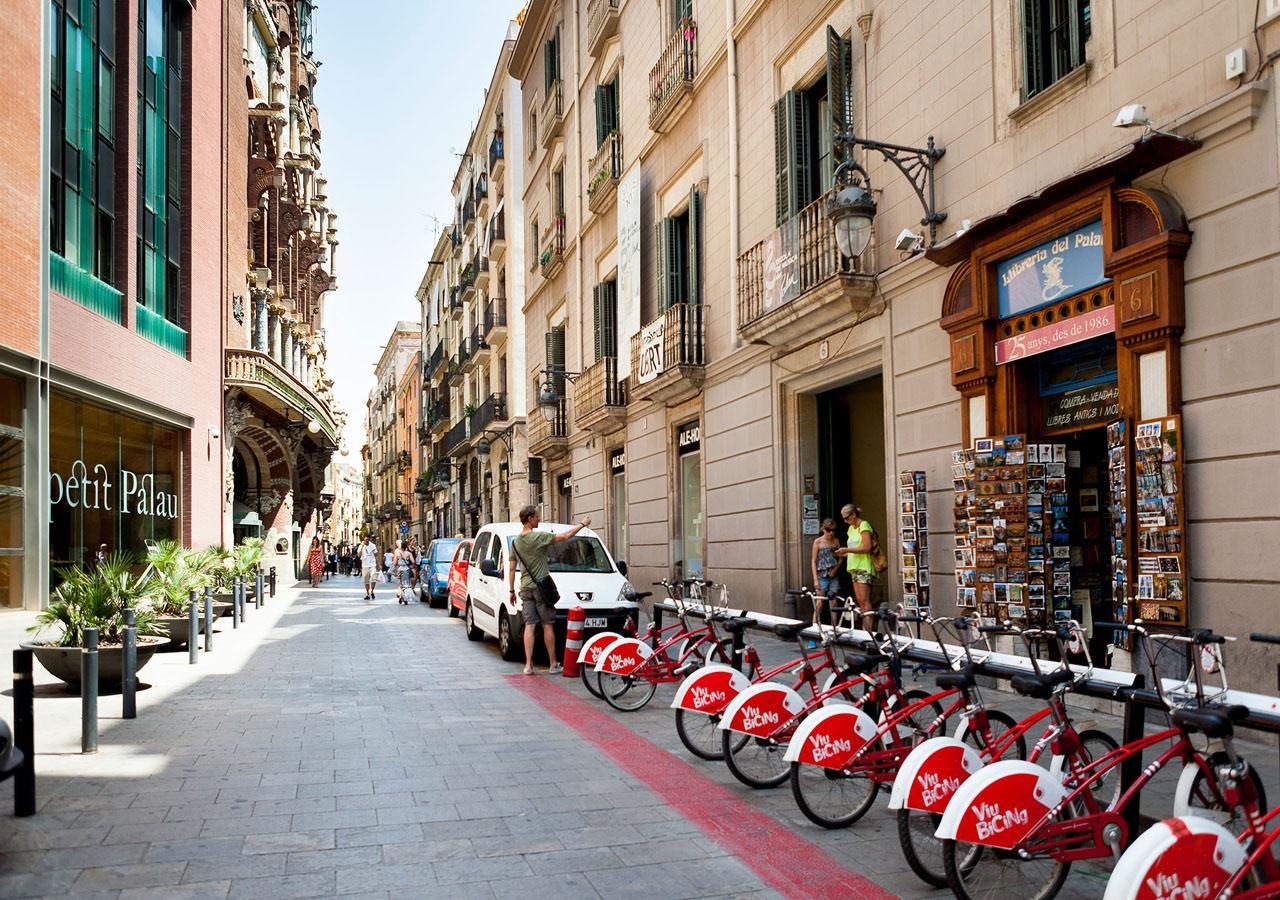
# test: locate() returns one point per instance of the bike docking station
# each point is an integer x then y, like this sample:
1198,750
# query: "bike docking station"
1129,689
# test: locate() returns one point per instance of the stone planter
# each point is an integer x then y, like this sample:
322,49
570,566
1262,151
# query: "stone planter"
63,663
174,629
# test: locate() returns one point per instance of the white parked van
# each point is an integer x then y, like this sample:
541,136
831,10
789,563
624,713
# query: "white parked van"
582,568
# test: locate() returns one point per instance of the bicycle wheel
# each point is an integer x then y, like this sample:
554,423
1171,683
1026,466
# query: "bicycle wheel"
700,734
591,679
975,872
919,720
756,762
626,693
830,797
1094,745
922,851
999,724
1203,798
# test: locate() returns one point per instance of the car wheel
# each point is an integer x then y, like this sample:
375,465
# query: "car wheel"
473,633
508,640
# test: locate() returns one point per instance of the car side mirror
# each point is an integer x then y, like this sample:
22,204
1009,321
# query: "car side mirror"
489,567
622,567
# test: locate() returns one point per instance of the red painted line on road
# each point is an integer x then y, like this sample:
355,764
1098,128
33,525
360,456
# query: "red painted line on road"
781,859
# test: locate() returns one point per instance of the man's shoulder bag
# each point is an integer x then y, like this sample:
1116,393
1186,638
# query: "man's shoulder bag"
546,585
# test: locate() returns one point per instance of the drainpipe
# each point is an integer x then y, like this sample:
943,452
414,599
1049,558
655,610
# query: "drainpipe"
577,190
731,20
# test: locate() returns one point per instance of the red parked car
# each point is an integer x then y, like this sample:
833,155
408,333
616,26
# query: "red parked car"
458,579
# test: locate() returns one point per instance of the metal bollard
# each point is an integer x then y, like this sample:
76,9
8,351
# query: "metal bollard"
193,633
129,681
208,619
273,581
24,733
235,603
89,692
259,587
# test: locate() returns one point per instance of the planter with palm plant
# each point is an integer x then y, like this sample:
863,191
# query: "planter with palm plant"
176,571
95,598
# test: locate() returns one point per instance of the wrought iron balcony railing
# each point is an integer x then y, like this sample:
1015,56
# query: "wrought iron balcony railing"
602,24
603,173
671,77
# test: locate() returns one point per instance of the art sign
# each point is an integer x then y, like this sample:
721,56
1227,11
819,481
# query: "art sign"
1066,265
1058,334
651,363
781,266
628,215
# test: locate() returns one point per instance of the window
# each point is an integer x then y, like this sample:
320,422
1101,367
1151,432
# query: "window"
1054,33
160,175
679,255
551,60
805,122
82,159
557,192
555,357
605,306
480,547
533,241
618,501
606,110
680,10
578,554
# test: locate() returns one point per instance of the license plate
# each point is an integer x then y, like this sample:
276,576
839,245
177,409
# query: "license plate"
596,622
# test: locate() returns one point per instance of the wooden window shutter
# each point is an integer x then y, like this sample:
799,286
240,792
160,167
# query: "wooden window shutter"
555,357
781,161
598,315
660,229
802,155
839,83
600,114
675,265
555,49
694,292
609,306
791,133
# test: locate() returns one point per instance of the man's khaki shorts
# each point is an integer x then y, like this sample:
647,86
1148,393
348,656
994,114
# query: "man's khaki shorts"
369,575
535,611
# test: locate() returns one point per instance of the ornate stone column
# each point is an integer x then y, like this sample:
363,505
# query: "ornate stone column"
286,344
260,327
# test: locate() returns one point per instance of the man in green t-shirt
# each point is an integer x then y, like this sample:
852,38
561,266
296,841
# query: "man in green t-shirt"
530,547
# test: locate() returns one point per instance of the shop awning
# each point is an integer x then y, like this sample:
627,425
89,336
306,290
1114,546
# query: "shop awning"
1145,154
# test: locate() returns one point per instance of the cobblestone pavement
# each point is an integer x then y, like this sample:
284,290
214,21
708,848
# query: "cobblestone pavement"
333,746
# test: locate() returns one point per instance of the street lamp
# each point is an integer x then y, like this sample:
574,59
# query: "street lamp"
484,447
852,208
548,397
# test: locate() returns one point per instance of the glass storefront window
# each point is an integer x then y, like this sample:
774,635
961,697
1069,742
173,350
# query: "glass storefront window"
618,514
12,494
689,541
114,479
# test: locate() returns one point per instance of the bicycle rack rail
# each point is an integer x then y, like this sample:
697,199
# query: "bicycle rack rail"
1128,688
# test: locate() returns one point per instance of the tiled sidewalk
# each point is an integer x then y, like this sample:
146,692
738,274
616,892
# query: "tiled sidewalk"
332,746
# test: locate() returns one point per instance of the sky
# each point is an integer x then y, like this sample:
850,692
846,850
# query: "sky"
399,88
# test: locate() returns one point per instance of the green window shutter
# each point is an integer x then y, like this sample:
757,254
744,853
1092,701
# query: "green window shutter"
548,70
781,161
1032,64
694,293
802,154
660,229
839,88
598,318
557,357
675,267
609,326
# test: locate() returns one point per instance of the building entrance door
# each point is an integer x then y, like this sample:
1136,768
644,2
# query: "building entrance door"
851,466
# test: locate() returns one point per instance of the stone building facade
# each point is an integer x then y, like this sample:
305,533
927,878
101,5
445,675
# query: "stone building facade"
732,377
473,425
388,497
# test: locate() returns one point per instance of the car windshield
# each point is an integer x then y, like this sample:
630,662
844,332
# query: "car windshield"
443,552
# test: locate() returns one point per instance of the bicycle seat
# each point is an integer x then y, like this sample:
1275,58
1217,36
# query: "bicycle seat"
788,631
738,624
1214,723
965,678
1040,686
636,596
863,663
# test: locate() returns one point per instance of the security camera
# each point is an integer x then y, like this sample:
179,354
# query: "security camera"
908,241
1132,116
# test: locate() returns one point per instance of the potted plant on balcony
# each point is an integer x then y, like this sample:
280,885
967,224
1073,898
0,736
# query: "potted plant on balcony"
468,411
95,598
176,572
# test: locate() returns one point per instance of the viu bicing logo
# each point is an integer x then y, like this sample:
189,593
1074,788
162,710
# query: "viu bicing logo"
617,662
702,696
757,718
825,746
935,788
993,820
1164,886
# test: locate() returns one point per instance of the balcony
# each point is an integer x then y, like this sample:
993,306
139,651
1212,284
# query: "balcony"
552,259
549,440
602,24
551,118
668,356
495,321
264,379
403,461
494,409
497,160
603,173
455,300
795,286
671,78
468,214
482,195
600,398
455,438
498,235
482,272
438,416
435,362
467,282
478,346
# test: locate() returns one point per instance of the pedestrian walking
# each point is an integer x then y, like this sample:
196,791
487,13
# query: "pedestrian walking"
858,554
315,562
101,556
826,569
369,566
402,568
387,558
531,548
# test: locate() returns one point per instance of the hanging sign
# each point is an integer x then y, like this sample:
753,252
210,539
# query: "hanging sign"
651,344
618,461
781,266
1059,334
688,438
1058,268
1082,407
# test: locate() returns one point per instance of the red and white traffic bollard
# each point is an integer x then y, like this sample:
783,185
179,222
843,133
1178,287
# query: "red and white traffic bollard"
573,641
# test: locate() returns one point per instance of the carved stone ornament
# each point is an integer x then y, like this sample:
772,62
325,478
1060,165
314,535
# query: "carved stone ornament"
237,307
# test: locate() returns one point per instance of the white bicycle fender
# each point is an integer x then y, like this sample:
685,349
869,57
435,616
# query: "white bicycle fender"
931,774
831,737
1186,856
623,656
592,649
1000,804
761,709
710,689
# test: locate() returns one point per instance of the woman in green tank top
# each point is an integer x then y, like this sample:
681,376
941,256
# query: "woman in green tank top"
857,555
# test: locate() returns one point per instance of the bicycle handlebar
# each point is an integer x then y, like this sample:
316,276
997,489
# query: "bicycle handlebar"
1262,638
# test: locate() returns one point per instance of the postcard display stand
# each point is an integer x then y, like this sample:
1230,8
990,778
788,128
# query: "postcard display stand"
1013,555
913,514
1118,466
1161,595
